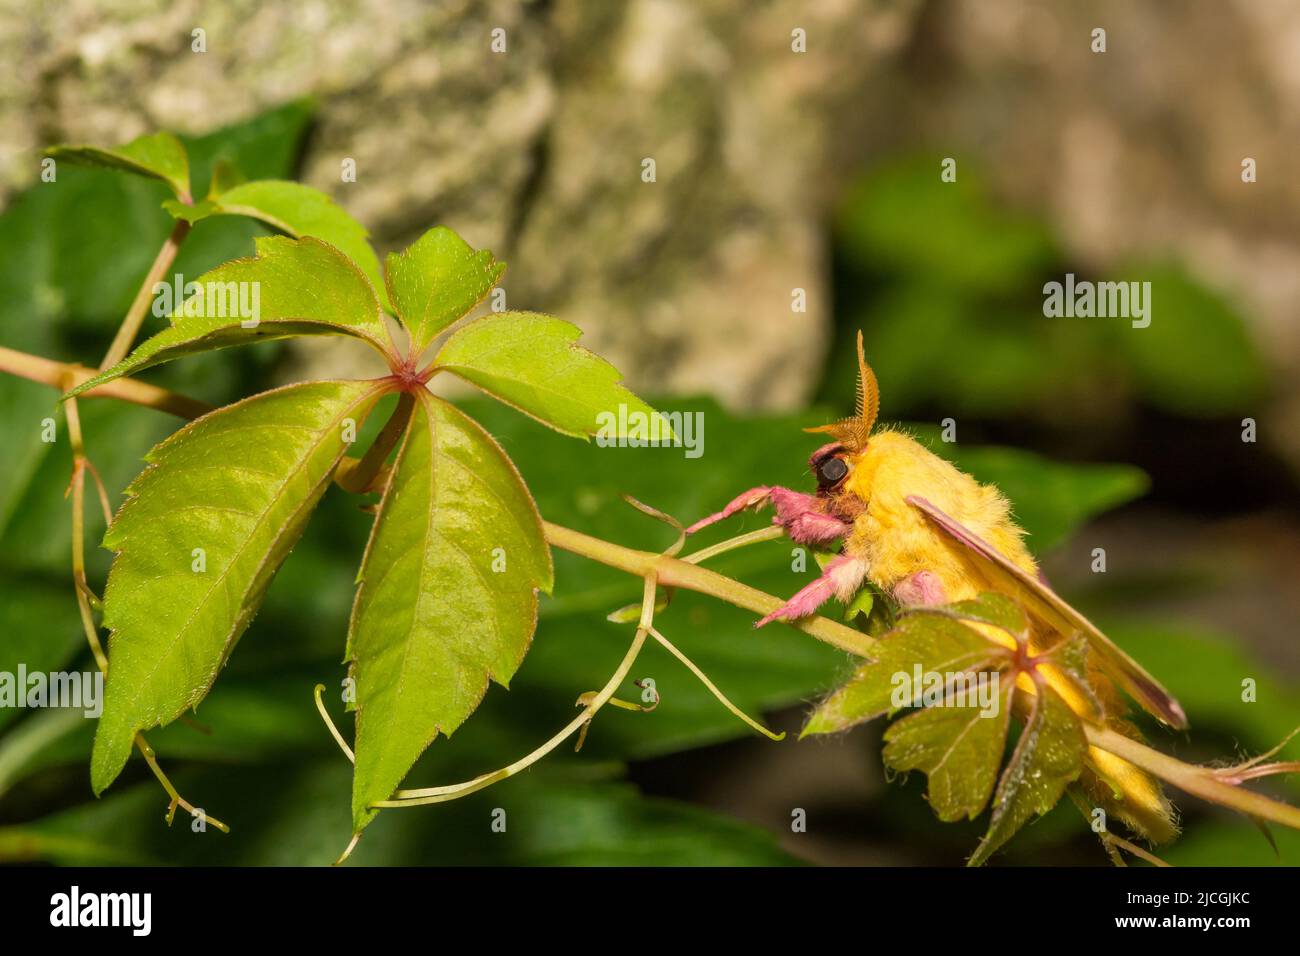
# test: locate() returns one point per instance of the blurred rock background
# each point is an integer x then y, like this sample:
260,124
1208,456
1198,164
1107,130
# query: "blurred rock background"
686,282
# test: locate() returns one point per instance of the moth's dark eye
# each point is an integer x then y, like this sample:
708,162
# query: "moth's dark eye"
831,471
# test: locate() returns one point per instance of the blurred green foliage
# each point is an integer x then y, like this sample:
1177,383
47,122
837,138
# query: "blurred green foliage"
291,819
947,289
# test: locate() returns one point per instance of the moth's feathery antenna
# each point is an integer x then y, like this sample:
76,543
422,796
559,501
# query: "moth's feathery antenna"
854,432
868,392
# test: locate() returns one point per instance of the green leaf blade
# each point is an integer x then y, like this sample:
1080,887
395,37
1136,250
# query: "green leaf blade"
296,210
159,156
989,607
438,280
533,363
1047,758
302,287
238,485
933,643
959,748
447,597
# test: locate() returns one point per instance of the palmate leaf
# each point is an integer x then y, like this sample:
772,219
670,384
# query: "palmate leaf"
957,745
303,287
294,209
437,280
533,362
159,156
1047,758
447,594
204,530
935,643
959,748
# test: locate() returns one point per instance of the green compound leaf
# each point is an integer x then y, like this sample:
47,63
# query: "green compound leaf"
934,643
294,209
436,281
447,596
533,362
295,287
203,531
959,748
158,156
1047,758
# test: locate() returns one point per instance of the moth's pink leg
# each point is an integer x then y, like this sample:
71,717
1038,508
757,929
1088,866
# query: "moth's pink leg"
922,589
804,520
801,515
841,578
752,498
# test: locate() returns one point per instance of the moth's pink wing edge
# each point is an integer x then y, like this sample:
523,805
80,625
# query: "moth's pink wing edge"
1144,688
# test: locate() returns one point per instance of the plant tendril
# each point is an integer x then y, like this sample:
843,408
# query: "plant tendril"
713,689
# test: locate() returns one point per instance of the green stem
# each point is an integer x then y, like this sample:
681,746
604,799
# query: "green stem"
176,799
770,533
358,477
675,572
712,688
78,489
1198,781
61,375
130,326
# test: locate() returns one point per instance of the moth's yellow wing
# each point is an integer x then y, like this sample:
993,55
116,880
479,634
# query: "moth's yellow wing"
1048,606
